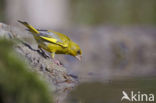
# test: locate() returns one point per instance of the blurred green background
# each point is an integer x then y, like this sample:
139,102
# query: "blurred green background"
114,11
86,12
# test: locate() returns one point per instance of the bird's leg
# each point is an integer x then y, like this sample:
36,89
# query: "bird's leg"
55,60
42,52
53,55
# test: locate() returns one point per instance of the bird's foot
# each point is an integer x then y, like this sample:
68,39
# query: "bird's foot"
43,53
57,62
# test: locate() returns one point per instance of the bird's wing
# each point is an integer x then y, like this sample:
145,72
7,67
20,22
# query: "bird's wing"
46,35
52,38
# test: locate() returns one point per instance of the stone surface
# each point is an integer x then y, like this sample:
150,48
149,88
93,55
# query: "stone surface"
56,76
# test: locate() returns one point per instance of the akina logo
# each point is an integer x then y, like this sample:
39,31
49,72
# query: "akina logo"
138,96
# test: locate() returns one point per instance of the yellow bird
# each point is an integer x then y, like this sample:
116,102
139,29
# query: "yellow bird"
54,42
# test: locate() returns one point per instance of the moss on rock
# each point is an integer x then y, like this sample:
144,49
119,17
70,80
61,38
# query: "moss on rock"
17,83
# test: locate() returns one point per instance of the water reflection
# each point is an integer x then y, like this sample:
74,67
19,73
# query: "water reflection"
112,91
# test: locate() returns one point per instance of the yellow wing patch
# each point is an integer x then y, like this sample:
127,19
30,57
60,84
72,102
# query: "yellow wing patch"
49,39
55,41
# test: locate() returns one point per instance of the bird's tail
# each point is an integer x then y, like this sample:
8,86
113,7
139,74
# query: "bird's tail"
30,27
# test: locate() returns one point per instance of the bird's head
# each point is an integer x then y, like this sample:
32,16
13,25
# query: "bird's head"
75,51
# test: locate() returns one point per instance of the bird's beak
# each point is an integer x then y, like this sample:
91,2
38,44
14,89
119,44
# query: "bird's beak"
79,57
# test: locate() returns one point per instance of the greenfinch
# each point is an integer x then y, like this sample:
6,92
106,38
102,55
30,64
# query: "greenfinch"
54,42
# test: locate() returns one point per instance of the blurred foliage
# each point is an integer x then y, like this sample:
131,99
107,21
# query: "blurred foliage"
2,10
114,11
107,11
17,83
111,92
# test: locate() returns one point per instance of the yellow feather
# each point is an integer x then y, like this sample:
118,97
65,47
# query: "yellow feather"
54,42
31,28
49,39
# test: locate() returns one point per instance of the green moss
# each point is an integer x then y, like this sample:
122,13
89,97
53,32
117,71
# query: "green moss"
17,83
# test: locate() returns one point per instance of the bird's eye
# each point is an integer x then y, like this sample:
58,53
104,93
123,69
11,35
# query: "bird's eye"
78,52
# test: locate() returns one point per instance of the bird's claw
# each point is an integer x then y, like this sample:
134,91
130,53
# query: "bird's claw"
57,62
40,51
